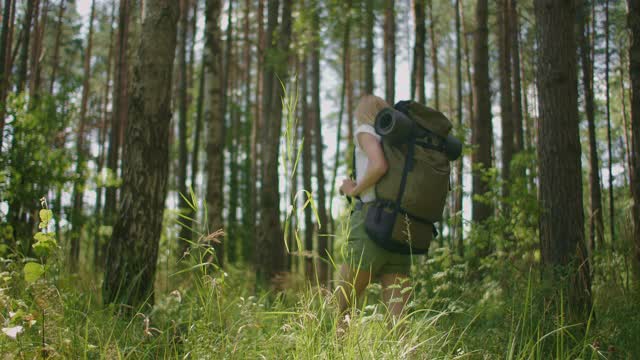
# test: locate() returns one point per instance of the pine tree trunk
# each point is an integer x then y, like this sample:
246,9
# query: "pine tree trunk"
506,102
253,220
40,23
596,227
457,206
248,216
197,136
183,157
81,152
5,52
345,64
98,248
517,86
633,21
389,50
434,57
368,58
133,249
482,132
307,163
24,49
56,47
270,244
612,223
215,118
120,105
323,234
418,81
562,223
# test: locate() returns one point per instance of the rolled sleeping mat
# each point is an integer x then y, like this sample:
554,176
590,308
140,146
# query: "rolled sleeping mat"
453,148
394,126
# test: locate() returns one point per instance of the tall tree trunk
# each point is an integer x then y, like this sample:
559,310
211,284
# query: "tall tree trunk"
233,139
506,103
248,216
457,206
270,243
368,58
40,23
467,56
345,64
120,104
562,221
98,248
81,152
197,135
183,105
596,227
56,47
517,86
633,20
417,77
133,249
434,57
5,52
257,122
307,163
389,51
215,120
482,132
323,235
612,223
24,49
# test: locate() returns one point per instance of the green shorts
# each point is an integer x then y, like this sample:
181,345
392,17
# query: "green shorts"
362,252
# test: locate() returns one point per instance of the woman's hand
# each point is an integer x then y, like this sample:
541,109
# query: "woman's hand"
348,187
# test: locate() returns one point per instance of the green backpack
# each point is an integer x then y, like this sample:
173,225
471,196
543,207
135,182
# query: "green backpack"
411,196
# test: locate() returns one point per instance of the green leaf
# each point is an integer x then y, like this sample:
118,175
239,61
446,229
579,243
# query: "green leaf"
32,272
45,244
45,217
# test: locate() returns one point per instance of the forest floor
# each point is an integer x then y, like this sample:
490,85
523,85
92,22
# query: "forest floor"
217,316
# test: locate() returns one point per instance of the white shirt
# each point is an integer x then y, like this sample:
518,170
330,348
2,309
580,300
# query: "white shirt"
362,161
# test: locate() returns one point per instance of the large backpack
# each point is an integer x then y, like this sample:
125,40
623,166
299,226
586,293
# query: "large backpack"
410,197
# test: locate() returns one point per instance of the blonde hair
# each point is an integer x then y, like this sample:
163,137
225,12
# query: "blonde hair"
368,107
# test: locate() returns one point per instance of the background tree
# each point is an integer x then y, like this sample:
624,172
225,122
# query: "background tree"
633,20
214,118
133,250
561,226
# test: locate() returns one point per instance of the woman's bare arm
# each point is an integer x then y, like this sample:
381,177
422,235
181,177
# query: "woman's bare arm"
377,166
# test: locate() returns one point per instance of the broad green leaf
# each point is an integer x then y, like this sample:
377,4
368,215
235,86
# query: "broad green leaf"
32,272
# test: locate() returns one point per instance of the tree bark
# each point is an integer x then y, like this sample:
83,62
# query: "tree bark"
482,132
120,105
506,102
56,47
133,250
389,51
323,235
434,57
518,144
633,21
561,221
5,52
390,68
457,205
418,81
596,224
98,248
270,244
307,163
24,49
612,223
81,152
253,220
215,119
248,216
368,58
183,105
